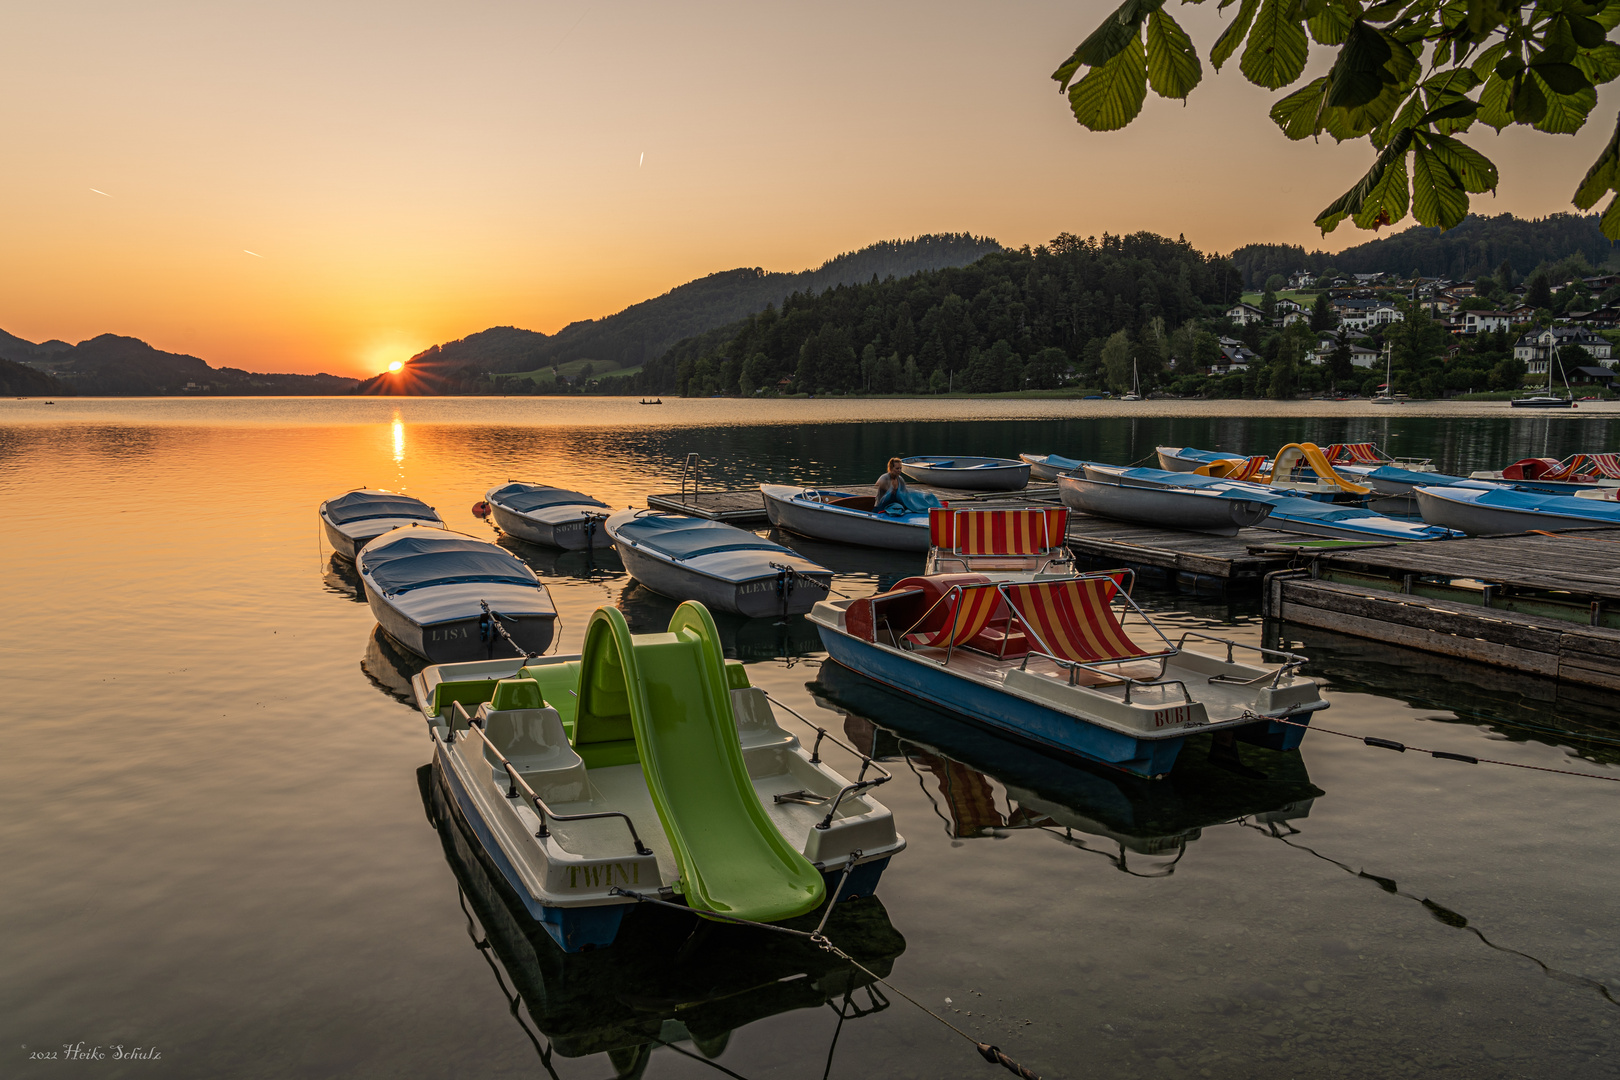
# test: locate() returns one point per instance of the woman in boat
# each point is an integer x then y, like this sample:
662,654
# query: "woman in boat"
889,487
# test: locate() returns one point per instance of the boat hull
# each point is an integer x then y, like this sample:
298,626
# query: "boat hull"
575,534
1164,507
1011,476
753,598
1477,520
457,640
824,522
349,540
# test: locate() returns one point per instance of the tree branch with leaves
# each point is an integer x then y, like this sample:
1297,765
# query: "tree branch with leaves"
1409,76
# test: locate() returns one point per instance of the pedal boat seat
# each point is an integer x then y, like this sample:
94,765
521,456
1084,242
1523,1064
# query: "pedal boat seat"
530,733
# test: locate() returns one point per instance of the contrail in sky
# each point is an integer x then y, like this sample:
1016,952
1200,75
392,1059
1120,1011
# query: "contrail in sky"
98,192
255,254
643,159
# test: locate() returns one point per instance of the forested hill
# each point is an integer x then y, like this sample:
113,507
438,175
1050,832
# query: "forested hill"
111,365
645,331
1478,246
1012,319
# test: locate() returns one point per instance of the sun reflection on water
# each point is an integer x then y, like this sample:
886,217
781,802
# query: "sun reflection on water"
399,438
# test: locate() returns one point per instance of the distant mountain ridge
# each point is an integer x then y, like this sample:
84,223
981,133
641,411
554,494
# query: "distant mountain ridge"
1477,246
116,366
645,331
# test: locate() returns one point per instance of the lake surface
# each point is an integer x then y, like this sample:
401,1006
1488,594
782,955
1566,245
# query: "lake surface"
215,840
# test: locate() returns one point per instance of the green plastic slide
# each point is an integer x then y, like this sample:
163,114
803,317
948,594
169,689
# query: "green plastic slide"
664,699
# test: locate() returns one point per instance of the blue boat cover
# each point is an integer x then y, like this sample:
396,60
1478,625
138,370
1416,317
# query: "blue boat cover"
360,505
1189,453
526,497
429,557
1407,476
687,538
1604,510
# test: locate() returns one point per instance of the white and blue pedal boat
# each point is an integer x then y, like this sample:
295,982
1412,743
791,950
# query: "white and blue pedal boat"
648,768
718,565
1052,663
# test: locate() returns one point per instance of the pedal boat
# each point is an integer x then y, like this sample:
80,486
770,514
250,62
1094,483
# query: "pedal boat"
649,765
356,518
718,565
843,517
446,597
967,473
555,517
1028,544
1051,663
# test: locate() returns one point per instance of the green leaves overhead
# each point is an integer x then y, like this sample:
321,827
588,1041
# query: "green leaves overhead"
1409,76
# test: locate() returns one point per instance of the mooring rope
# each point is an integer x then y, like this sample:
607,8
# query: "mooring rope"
993,1054
495,618
805,579
1444,755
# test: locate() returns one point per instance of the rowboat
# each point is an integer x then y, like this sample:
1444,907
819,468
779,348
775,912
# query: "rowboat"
843,517
1288,514
967,473
1216,512
548,515
448,597
1490,509
1190,459
354,519
1051,663
1026,544
1050,466
719,565
647,766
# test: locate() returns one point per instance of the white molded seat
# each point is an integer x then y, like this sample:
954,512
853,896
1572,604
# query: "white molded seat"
534,740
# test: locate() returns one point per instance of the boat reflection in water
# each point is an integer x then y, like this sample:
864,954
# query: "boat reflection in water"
787,638
341,577
1209,786
590,564
881,567
670,978
391,667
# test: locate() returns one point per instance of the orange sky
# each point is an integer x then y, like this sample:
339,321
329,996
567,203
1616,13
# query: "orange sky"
409,173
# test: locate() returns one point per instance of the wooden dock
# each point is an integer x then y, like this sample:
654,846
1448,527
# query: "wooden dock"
733,507
1547,604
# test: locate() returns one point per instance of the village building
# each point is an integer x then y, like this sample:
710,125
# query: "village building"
1479,322
1235,356
1535,349
1244,314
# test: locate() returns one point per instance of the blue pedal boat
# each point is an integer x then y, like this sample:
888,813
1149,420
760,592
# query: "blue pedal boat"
1052,663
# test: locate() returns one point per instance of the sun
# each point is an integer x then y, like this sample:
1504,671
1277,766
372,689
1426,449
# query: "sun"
396,367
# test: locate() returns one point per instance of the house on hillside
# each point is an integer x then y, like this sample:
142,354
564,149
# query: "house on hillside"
1535,349
1589,375
1368,314
1479,322
1244,314
1360,355
1235,356
1301,279
1369,279
1286,305
1602,319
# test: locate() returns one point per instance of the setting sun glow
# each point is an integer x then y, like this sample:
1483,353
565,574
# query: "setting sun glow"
397,366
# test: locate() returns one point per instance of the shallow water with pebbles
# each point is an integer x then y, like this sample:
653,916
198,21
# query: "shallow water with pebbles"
215,844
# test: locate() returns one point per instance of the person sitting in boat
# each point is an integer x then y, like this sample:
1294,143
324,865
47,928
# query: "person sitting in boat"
893,497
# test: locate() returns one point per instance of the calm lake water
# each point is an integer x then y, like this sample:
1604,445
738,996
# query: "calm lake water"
215,841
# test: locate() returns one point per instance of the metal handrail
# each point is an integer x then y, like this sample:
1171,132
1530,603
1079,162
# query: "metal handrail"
514,781
1290,660
867,762
690,467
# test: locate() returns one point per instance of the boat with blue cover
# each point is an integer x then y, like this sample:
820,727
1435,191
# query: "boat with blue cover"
720,565
967,473
1288,514
1051,466
1484,509
1054,664
447,597
647,766
553,516
355,518
844,517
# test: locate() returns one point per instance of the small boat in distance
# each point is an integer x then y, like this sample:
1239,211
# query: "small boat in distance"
967,473
645,765
658,401
843,517
448,597
719,565
1215,512
548,515
354,519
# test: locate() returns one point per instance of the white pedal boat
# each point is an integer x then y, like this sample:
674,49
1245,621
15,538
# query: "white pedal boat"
648,765
555,517
718,565
448,597
354,519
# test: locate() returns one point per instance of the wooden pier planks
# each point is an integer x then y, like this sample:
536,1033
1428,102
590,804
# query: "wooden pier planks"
734,507
1226,559
1583,562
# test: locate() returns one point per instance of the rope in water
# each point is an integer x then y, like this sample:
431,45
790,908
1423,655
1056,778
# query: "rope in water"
495,621
1444,755
993,1054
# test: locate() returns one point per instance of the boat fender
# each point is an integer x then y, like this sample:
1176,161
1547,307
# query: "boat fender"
480,509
